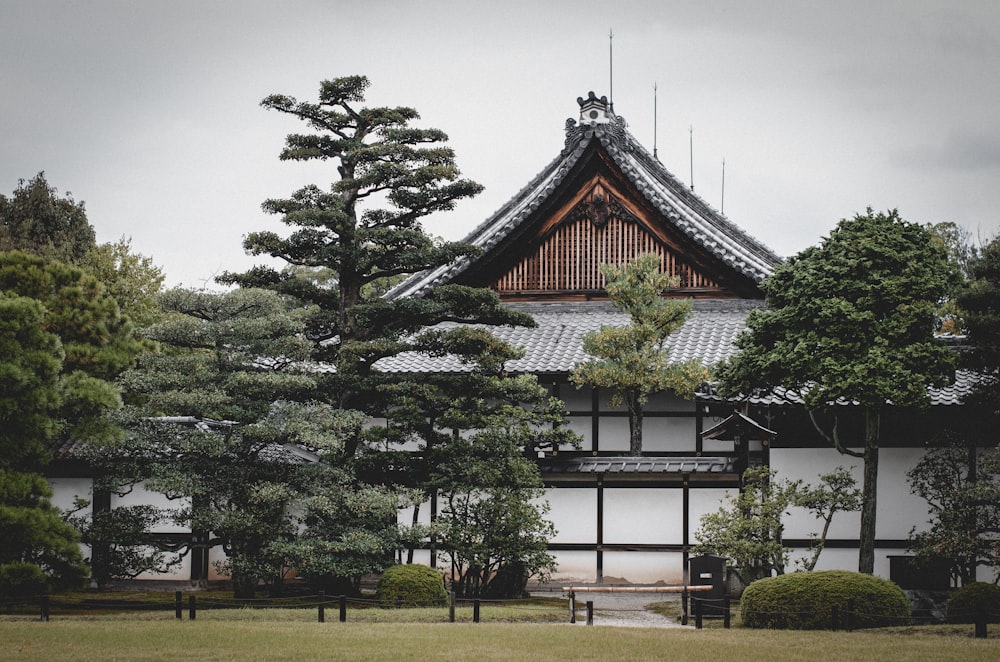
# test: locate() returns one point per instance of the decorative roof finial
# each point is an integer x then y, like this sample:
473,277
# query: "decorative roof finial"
594,111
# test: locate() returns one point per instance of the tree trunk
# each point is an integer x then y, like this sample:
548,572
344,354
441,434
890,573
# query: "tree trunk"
634,425
869,493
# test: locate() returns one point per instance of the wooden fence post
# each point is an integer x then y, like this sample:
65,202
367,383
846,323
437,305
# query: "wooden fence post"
475,611
697,612
849,620
727,618
684,606
45,608
191,608
572,606
590,612
343,608
451,606
981,624
322,607
178,606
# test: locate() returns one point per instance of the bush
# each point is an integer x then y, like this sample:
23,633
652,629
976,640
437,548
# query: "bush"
411,585
968,601
805,601
18,580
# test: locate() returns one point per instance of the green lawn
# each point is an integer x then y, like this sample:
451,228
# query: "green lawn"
126,638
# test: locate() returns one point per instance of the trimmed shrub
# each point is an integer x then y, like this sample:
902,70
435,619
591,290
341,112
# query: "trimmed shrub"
411,585
805,601
965,603
20,580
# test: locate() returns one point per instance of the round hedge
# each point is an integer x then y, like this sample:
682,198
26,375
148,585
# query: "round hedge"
411,585
805,601
967,602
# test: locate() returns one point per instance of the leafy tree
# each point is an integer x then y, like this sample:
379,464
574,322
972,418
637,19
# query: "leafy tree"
634,361
962,488
36,220
851,321
837,492
980,304
492,528
119,542
380,157
35,535
747,528
250,481
132,279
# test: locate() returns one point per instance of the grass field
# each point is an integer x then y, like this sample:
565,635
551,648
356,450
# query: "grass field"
125,638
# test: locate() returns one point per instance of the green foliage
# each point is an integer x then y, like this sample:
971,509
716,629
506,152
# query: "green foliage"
411,585
132,279
35,220
837,492
747,529
851,321
21,580
634,361
805,601
961,485
34,533
118,541
966,603
980,306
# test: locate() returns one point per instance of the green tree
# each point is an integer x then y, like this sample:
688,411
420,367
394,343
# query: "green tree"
837,492
851,320
979,302
747,529
132,279
962,488
380,158
36,220
634,361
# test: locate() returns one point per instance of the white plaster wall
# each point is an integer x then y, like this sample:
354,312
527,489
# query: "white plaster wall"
404,516
575,566
806,464
668,434
582,426
702,501
643,515
613,434
140,496
645,567
66,490
839,559
573,512
898,510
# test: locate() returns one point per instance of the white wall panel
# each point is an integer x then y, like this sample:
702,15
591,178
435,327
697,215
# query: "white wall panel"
643,515
668,434
806,464
582,426
66,490
644,567
703,501
575,566
573,511
898,509
613,434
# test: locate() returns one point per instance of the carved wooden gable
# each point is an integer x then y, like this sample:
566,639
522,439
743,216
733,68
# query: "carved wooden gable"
598,226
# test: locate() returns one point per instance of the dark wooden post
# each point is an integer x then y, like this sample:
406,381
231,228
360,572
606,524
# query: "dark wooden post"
178,605
849,620
451,606
475,611
343,608
590,612
726,616
191,608
684,606
981,624
697,612
45,608
322,607
572,606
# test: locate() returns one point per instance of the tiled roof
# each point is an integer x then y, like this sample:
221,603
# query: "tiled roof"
671,197
636,465
951,395
556,345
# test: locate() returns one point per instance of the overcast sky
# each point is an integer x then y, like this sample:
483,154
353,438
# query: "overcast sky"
149,111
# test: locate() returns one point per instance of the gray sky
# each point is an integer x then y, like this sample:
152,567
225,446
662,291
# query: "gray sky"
149,111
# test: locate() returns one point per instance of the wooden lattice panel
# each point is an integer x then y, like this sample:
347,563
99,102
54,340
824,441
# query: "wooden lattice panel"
569,258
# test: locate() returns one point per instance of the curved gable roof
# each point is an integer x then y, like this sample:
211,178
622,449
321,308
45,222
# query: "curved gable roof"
691,215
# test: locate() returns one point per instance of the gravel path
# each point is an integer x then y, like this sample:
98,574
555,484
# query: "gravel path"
623,610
